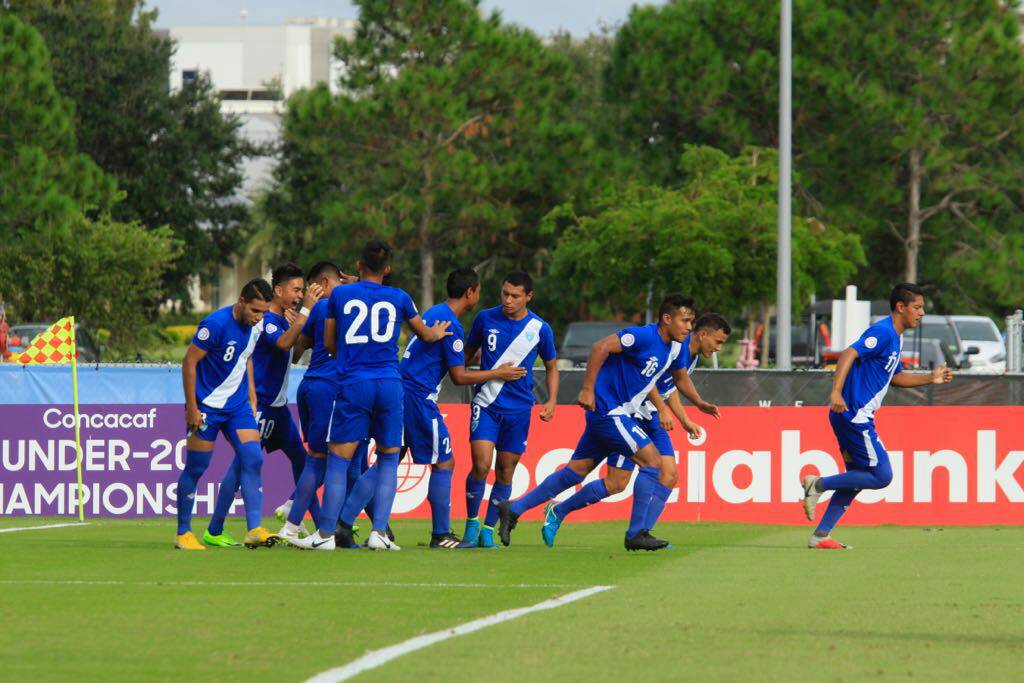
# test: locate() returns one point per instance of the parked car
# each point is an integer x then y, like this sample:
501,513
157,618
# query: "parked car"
89,350
938,327
982,332
579,337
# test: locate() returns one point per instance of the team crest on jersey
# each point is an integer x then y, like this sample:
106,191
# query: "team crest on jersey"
458,345
871,342
203,334
530,336
271,328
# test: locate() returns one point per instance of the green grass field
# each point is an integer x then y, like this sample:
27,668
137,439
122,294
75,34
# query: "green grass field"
731,602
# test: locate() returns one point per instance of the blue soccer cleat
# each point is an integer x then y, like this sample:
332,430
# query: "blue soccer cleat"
486,537
472,535
551,523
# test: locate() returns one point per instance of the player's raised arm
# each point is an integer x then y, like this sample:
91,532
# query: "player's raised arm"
193,418
506,373
432,333
685,386
287,340
599,352
843,365
302,344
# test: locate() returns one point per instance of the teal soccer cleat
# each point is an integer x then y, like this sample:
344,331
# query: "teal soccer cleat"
551,523
472,535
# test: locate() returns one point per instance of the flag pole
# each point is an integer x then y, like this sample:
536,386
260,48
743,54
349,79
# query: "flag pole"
78,425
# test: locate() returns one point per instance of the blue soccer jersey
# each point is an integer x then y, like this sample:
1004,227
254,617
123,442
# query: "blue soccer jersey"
503,340
666,384
321,362
626,378
270,364
369,319
879,352
424,365
221,379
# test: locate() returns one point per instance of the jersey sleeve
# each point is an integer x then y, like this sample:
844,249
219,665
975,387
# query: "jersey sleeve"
333,304
308,327
476,333
896,350
272,331
547,343
632,340
406,306
683,360
208,336
453,348
871,343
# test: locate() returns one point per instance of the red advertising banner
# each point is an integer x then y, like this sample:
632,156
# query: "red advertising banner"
952,466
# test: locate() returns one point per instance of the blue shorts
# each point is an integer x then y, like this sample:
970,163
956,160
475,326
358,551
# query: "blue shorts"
277,429
659,436
228,421
316,402
508,431
858,443
616,437
368,410
426,434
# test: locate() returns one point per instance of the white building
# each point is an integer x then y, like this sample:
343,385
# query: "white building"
254,68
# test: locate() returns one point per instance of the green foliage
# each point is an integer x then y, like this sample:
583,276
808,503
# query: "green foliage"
714,238
451,138
173,154
63,251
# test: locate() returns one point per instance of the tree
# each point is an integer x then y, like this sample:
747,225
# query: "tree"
63,252
450,137
714,238
175,156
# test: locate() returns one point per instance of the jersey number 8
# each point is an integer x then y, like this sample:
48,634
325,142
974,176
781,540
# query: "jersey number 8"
229,353
374,313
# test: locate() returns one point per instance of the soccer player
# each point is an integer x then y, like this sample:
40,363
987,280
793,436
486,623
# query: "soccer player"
509,333
361,329
220,396
271,361
863,375
423,368
710,332
622,372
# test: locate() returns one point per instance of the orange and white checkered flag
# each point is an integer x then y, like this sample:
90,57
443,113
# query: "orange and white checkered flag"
55,345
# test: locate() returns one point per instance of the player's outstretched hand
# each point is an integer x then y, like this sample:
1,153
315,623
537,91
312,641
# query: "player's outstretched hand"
709,409
838,402
547,412
312,295
586,399
942,375
510,373
694,430
290,316
439,330
348,279
665,418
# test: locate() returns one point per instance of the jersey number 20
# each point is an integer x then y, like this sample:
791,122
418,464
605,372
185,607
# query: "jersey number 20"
361,312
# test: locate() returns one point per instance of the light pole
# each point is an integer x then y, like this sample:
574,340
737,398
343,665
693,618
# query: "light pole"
784,275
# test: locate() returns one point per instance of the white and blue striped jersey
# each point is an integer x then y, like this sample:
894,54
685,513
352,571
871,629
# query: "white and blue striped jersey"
665,384
270,364
424,365
502,340
221,379
626,378
879,359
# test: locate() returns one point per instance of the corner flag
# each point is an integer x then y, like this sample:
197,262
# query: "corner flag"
57,345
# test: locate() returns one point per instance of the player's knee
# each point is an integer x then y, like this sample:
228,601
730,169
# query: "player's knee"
669,478
883,475
615,484
504,472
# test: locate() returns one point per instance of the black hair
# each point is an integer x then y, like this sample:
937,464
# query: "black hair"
321,269
257,288
905,292
712,322
286,272
673,302
518,278
376,256
460,281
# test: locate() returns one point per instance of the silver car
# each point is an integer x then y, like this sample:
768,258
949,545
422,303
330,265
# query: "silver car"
980,331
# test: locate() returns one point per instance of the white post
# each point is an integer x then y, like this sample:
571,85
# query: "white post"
784,293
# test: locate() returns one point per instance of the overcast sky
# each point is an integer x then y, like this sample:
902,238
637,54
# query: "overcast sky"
579,17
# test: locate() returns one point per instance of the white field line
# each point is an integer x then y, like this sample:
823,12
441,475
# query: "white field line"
375,658
299,584
43,526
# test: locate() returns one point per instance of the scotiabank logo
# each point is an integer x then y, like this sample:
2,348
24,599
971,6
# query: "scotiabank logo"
951,466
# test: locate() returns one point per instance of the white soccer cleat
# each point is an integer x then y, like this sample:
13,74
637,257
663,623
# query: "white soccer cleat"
379,541
288,536
281,513
811,495
314,542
